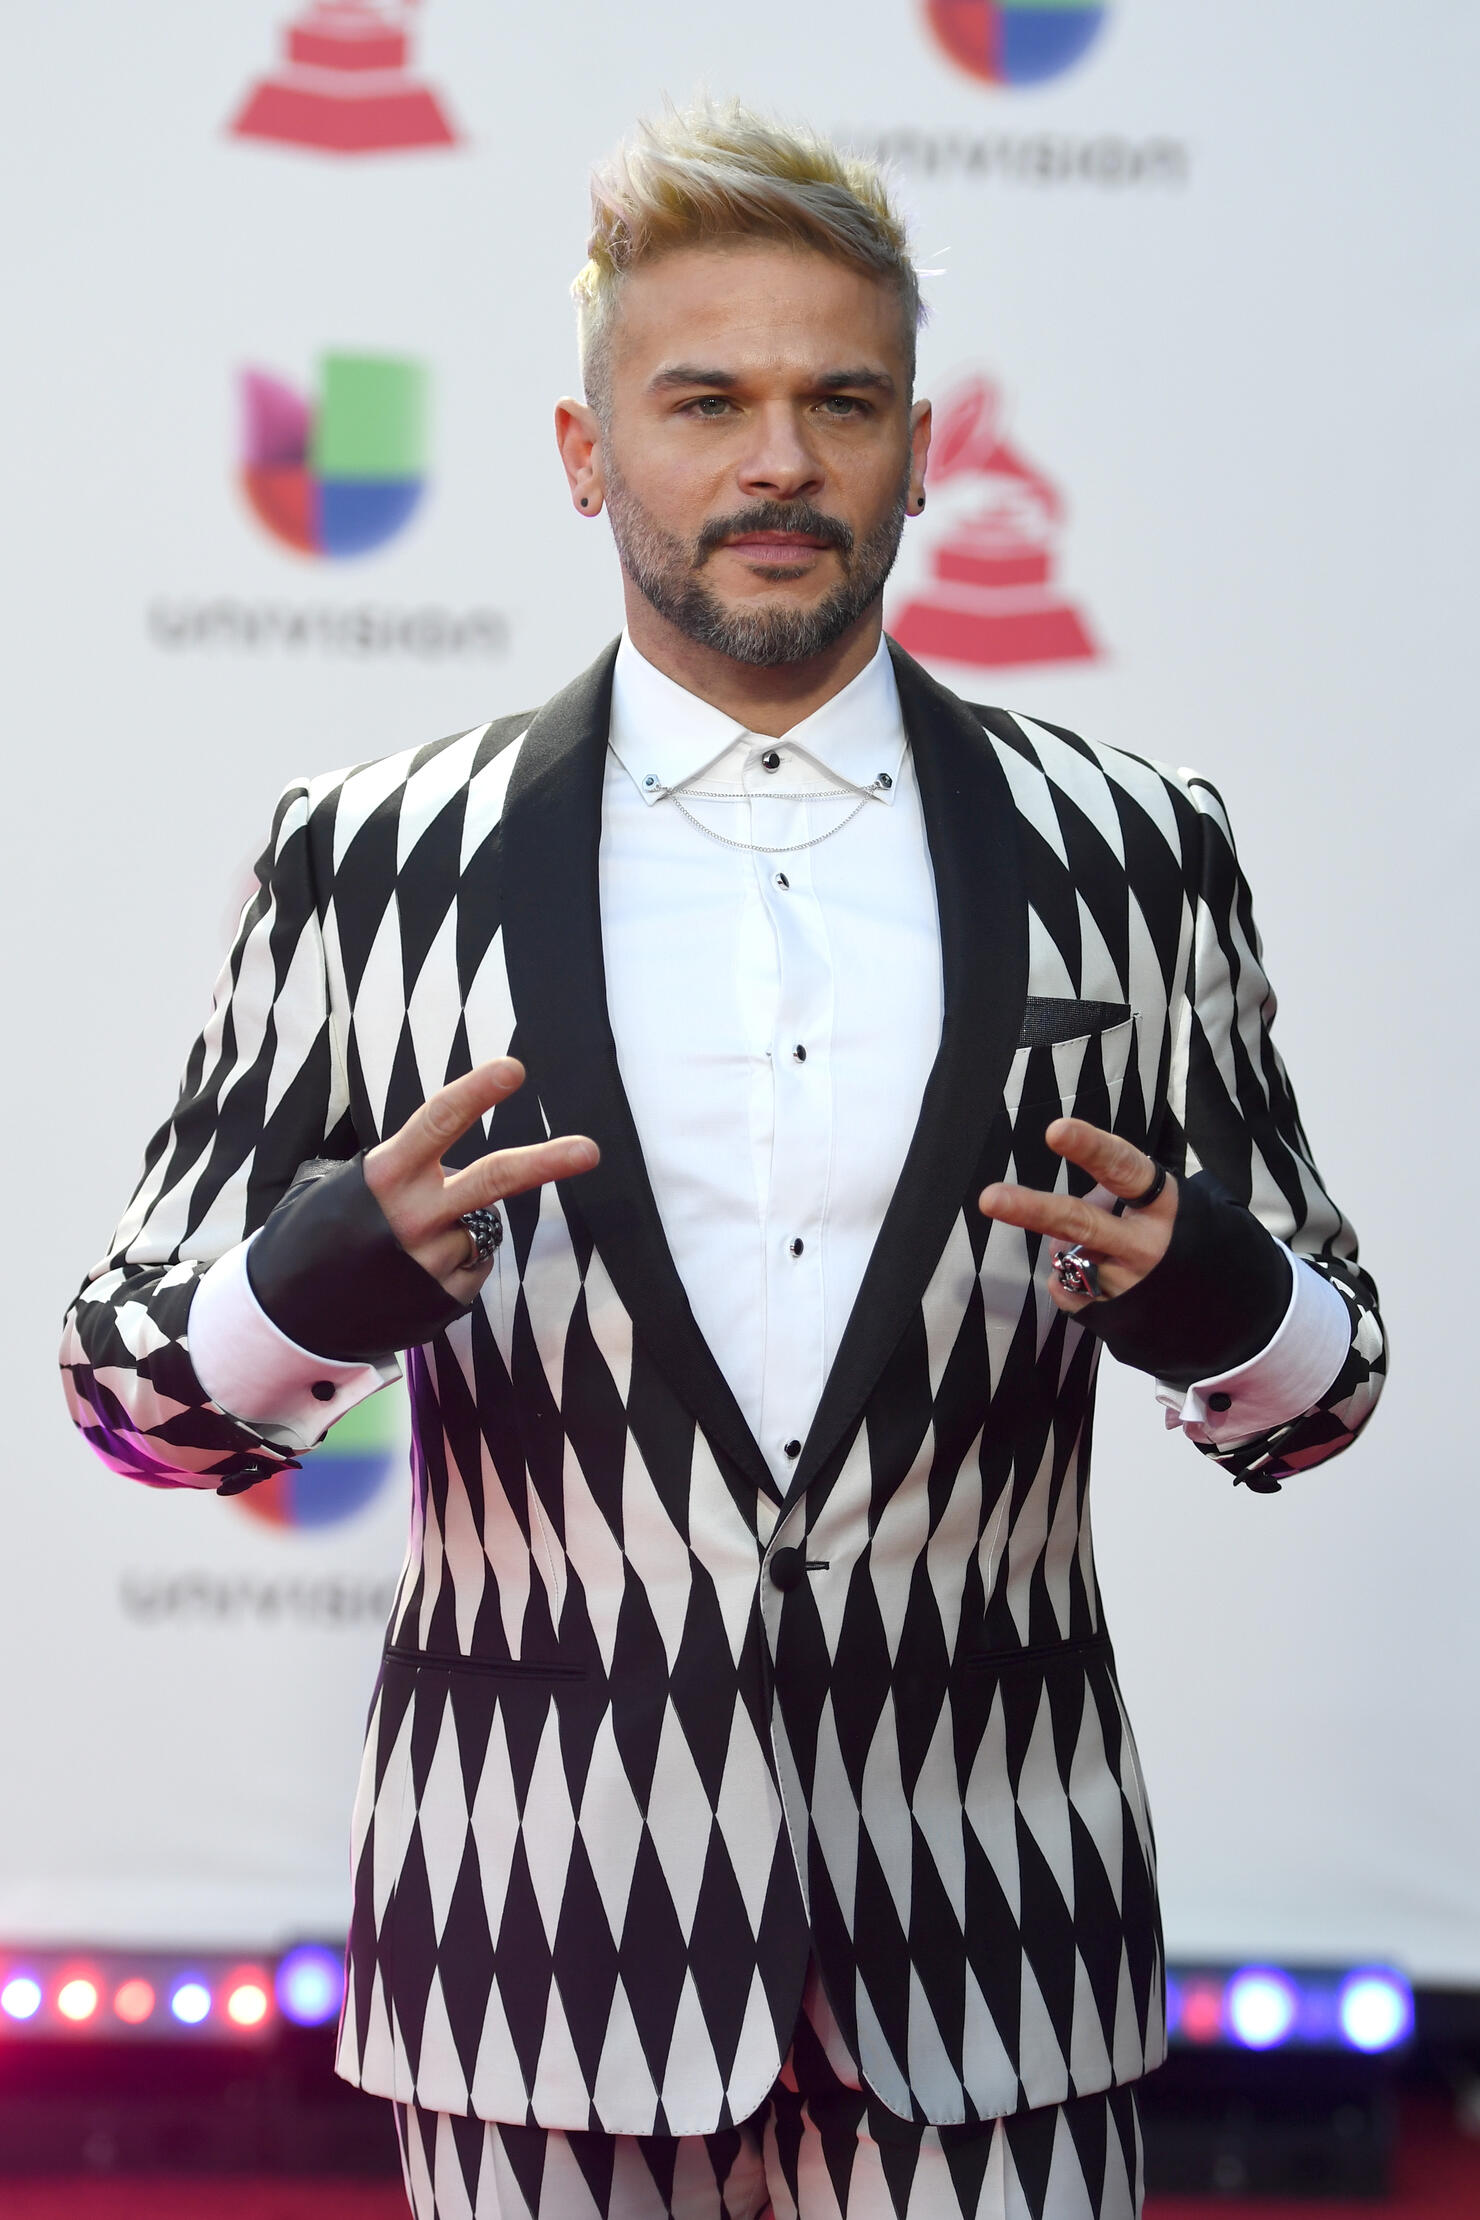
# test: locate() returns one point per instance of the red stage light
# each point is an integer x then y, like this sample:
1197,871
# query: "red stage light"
134,2002
1202,2013
77,1998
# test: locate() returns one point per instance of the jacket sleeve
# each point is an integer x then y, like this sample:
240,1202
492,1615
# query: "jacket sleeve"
1235,1115
263,1092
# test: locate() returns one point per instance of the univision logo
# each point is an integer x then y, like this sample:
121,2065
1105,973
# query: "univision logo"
342,473
340,1478
1016,42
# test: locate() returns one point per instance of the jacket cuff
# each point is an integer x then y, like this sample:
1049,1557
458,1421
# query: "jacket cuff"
1213,1302
1286,1379
333,1278
251,1370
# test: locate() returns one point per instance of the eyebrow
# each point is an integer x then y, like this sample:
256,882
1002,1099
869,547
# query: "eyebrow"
873,381
831,381
689,373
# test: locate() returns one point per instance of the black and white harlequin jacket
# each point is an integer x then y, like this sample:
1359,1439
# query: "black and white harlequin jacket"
620,1780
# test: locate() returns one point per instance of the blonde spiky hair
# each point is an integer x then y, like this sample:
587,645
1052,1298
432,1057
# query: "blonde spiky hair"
716,172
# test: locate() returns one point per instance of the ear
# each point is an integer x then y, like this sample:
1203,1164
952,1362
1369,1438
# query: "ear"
578,437
920,422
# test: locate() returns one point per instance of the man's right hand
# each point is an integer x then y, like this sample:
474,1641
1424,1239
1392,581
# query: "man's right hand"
422,1203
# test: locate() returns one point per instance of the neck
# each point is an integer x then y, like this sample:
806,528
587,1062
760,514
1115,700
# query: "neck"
765,699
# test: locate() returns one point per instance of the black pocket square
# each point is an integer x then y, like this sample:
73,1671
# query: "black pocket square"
1049,1018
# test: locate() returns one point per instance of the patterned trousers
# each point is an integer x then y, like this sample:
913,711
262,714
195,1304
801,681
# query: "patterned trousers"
818,2149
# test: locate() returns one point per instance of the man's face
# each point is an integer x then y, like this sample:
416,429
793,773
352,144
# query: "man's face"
759,445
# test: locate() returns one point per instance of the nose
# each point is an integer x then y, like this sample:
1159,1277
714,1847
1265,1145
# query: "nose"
778,465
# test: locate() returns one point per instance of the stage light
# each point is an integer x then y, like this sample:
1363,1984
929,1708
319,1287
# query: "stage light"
20,1999
134,2001
246,2001
310,1985
191,2002
1201,2018
1376,2011
1261,2007
77,1999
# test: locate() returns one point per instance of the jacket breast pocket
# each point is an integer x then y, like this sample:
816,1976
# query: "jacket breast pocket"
1073,1056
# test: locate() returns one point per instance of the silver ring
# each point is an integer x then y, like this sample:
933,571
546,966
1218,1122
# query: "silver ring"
486,1228
1076,1272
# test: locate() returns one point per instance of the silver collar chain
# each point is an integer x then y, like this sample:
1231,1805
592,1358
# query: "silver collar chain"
674,794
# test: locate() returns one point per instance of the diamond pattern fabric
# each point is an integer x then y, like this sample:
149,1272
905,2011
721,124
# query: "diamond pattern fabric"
818,2149
619,1785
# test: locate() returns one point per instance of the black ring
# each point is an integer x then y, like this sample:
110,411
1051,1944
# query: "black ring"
487,1229
1144,1201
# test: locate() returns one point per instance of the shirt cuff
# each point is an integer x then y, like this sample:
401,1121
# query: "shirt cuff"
1286,1379
252,1371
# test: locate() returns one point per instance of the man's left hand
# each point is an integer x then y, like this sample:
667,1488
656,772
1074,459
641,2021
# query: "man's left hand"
1124,1248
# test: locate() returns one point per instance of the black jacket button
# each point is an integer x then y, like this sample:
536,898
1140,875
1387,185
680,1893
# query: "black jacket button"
788,1569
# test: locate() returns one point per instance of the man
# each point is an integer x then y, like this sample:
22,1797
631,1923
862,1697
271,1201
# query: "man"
749,1820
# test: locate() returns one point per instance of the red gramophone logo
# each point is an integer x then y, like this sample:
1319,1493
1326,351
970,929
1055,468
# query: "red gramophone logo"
344,85
991,598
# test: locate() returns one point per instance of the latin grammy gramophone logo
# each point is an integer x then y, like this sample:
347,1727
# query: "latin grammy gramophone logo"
991,597
344,85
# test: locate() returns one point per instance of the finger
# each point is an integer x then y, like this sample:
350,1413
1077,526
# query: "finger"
1116,1163
446,1115
463,1276
445,1256
1064,1218
514,1171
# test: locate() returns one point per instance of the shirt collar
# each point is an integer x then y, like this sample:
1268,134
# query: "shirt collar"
662,735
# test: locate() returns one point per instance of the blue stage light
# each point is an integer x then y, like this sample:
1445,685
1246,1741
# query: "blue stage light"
1376,2011
1262,2005
310,1985
191,2002
20,1999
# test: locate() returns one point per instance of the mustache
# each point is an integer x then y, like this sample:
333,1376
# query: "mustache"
773,516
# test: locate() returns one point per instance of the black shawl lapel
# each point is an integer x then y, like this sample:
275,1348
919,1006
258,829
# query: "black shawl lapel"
971,826
549,840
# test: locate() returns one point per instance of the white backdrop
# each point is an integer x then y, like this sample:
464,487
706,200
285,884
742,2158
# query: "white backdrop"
1221,274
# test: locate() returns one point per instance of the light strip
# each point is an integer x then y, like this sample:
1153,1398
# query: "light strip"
164,1996
1268,2007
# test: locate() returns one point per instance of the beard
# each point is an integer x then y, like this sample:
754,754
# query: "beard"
667,571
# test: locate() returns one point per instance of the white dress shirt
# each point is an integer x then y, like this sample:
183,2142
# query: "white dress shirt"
776,1008
776,1000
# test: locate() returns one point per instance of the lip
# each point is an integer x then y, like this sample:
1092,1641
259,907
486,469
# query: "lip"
770,547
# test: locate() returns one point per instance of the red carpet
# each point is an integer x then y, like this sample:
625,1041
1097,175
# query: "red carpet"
168,2197
1437,2177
